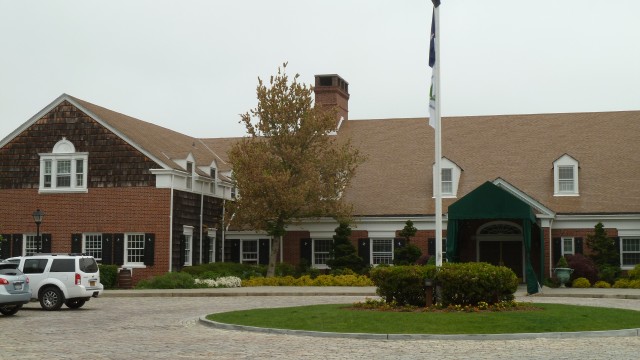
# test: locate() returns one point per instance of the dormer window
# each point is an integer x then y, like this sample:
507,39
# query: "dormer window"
449,178
565,171
212,173
64,169
189,175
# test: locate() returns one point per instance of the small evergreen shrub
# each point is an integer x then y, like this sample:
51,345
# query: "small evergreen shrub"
108,275
609,273
471,283
172,280
602,285
407,255
403,285
581,283
243,271
583,267
627,284
343,254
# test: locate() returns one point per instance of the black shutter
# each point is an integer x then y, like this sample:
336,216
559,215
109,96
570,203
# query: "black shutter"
107,249
5,249
118,249
76,243
557,250
234,245
149,249
431,247
45,243
17,245
577,243
195,250
364,250
183,247
219,250
263,251
616,241
206,248
306,250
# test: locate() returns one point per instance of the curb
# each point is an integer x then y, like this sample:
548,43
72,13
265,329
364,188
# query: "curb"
517,336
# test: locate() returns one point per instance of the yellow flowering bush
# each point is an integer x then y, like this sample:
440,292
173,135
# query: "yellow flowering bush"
581,283
602,285
306,280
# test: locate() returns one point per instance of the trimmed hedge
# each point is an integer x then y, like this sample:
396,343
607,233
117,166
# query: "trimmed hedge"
306,280
581,283
108,275
460,283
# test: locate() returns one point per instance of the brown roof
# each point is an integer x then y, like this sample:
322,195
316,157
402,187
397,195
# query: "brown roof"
396,179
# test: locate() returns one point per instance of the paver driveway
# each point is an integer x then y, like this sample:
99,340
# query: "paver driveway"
167,328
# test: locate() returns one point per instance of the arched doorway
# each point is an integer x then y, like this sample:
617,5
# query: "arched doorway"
501,243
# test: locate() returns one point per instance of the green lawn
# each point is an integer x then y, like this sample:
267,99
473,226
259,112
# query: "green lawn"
338,318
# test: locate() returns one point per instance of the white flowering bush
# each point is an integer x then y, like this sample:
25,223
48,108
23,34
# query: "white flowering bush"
222,282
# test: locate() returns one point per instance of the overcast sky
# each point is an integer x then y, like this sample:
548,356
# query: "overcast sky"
192,66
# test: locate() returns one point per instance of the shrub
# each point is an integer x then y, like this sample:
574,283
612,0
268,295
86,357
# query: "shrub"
406,255
403,285
471,283
581,283
172,280
108,275
627,284
243,271
602,285
583,267
609,273
343,254
634,274
306,280
223,282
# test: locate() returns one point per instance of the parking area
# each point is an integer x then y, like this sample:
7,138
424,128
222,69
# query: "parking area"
168,328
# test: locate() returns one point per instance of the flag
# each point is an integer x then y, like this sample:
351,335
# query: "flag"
432,63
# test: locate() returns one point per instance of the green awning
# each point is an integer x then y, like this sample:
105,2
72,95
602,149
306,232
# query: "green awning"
489,201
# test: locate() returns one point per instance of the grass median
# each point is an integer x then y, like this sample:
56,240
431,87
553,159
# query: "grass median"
344,319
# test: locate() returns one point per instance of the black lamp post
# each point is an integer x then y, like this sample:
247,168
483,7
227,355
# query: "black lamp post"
38,215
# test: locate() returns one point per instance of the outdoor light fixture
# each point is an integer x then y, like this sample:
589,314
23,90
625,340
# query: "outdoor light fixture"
38,215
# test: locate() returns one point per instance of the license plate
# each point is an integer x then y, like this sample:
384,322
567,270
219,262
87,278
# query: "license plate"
17,286
92,283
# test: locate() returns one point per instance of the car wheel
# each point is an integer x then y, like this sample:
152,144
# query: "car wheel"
51,299
10,309
75,303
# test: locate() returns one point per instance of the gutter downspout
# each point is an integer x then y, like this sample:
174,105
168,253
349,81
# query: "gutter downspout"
201,237
171,227
223,230
550,248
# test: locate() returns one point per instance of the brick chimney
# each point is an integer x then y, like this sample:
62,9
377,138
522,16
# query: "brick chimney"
332,90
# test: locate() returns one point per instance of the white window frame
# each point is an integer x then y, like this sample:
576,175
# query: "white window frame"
624,266
63,150
189,180
30,244
565,162
212,245
133,250
187,231
245,253
563,248
213,172
321,252
380,254
92,250
456,173
448,182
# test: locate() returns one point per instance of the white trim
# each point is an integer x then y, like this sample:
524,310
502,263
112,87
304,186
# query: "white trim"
187,231
546,212
566,161
128,264
313,253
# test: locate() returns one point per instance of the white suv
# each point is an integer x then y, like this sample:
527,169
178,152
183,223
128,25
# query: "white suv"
55,279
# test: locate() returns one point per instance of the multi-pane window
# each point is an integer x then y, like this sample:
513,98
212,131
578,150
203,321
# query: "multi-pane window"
382,251
250,251
212,247
213,177
64,169
189,175
30,244
447,181
63,173
135,249
47,174
566,179
630,251
567,246
79,173
321,251
188,243
92,245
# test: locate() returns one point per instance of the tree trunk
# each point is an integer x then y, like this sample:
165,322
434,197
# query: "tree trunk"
273,255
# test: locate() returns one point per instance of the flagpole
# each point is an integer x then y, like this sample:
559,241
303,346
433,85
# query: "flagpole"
438,139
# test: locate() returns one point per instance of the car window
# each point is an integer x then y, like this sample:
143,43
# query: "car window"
88,265
63,265
9,271
34,266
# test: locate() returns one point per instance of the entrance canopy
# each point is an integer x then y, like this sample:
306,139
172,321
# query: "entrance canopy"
489,201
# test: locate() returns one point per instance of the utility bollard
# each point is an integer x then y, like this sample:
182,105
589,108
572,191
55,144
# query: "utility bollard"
428,283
